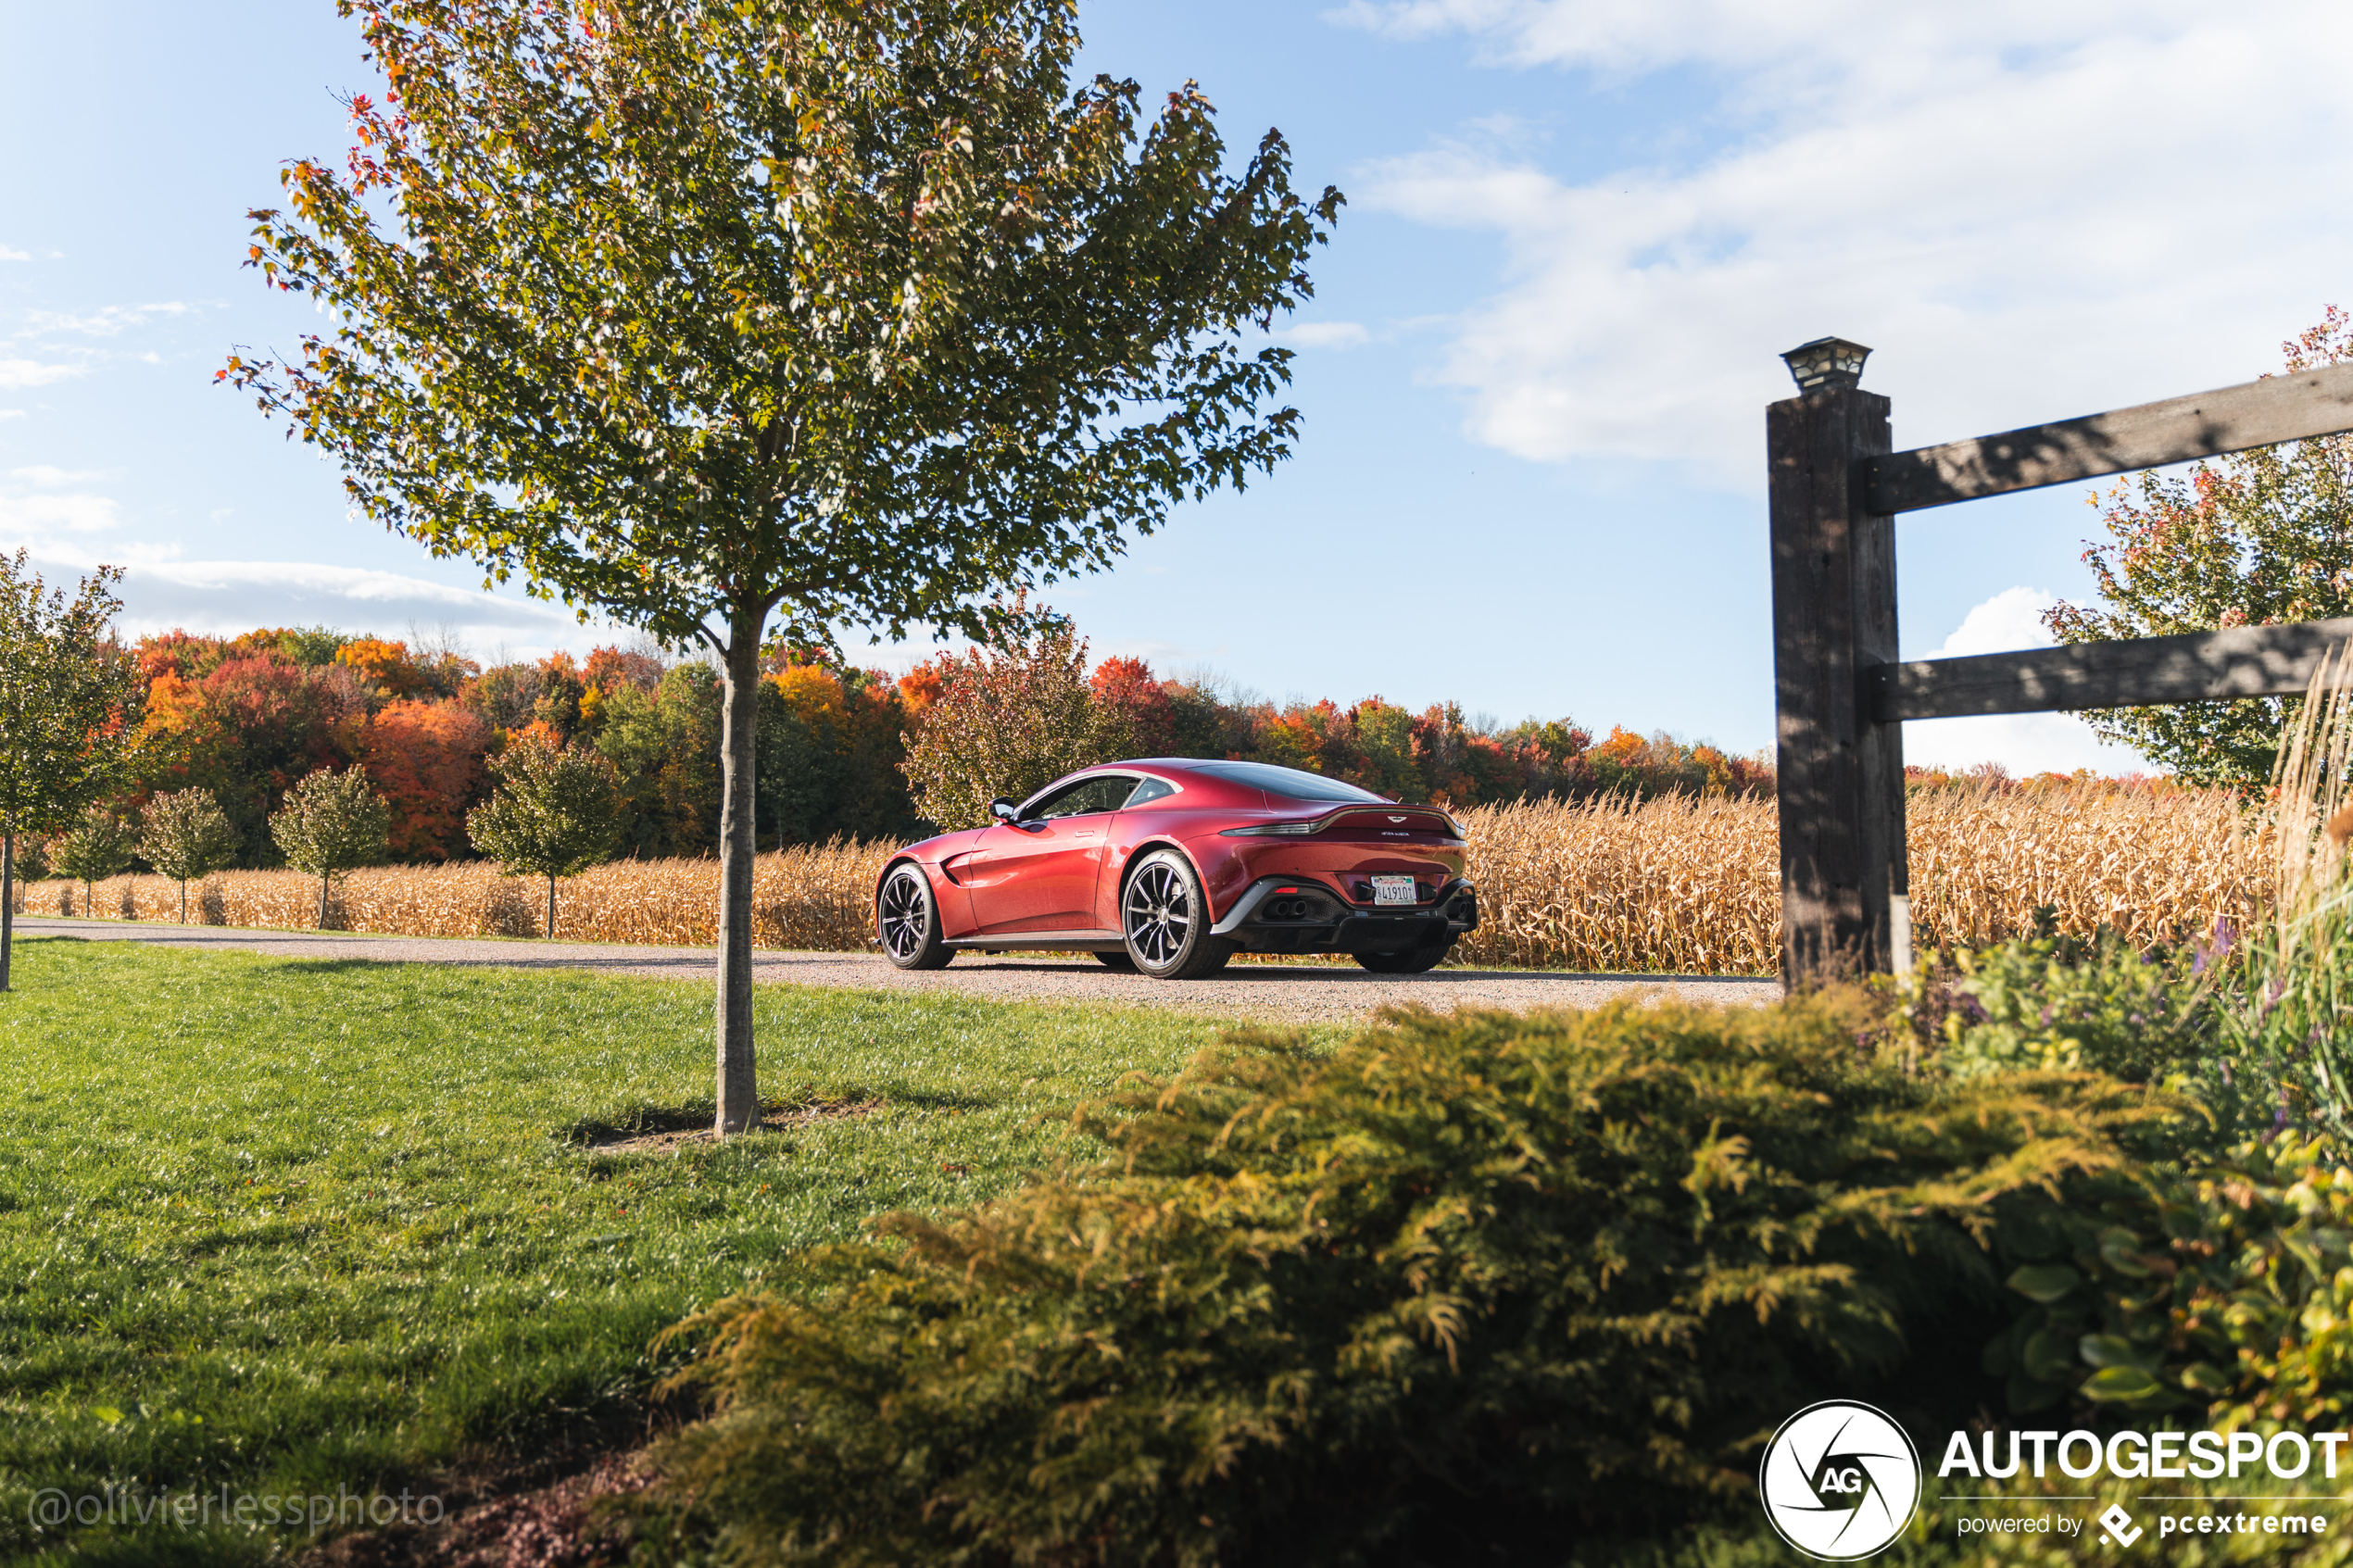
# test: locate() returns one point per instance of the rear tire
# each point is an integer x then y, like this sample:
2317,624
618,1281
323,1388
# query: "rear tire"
1165,916
1412,960
1118,960
907,920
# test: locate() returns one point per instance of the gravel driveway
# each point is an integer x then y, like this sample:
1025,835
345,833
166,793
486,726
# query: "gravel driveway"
1276,993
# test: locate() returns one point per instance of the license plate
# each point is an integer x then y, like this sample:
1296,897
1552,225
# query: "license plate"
1395,890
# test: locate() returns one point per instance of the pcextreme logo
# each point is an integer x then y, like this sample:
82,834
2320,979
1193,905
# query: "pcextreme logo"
1840,1481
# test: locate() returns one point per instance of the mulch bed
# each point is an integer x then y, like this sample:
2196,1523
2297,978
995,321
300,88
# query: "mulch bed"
498,1520
670,1136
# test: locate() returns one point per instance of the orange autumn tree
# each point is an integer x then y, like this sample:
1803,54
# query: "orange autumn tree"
386,665
426,759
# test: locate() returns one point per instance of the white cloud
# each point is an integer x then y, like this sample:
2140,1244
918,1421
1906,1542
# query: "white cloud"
11,413
2024,743
2009,621
1821,39
36,516
221,597
50,478
29,372
108,321
2032,211
7,255
1322,334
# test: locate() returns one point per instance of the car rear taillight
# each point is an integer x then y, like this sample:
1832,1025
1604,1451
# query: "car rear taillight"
1272,830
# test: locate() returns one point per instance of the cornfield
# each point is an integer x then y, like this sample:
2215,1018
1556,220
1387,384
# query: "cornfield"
1678,884
1692,885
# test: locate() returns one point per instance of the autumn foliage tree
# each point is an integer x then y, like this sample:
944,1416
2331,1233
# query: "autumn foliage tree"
1013,715
791,314
427,759
2254,539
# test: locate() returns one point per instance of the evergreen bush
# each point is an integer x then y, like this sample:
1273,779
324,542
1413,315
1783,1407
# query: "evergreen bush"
1471,1286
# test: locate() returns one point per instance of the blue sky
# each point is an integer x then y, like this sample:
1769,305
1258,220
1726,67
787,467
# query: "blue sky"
1579,232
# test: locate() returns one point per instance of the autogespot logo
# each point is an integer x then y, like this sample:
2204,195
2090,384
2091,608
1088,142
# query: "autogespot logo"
1840,1481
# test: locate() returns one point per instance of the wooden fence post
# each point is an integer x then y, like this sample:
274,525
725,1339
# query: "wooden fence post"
1844,889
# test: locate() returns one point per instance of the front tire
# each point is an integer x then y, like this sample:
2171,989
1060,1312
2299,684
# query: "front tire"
907,922
1165,916
1412,960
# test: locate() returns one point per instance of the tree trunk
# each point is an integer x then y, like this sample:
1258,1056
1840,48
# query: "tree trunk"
7,902
183,900
739,1071
552,905
322,901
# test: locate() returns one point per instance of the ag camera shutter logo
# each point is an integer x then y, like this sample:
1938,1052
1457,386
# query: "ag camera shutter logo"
1840,1481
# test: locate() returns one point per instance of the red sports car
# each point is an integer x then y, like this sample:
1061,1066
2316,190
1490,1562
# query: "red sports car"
1172,866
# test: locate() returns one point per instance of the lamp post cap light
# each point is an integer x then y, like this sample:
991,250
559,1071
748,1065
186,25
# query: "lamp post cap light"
1827,361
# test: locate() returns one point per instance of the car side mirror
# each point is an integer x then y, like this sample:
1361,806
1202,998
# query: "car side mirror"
1004,811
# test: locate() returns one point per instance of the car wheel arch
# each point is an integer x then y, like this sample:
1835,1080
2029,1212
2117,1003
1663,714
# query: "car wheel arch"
1145,851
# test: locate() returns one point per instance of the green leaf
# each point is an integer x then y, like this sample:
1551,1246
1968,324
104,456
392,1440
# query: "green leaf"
2205,1378
2120,1250
2044,1283
2122,1385
107,1413
2112,1350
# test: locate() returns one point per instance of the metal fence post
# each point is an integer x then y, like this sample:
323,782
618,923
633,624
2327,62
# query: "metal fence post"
1844,889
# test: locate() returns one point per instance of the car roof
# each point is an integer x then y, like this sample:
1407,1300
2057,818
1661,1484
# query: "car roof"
1209,784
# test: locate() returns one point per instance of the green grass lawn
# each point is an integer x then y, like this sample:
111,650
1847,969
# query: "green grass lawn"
292,1228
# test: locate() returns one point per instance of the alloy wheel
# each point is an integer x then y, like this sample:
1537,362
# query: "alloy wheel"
905,916
1158,914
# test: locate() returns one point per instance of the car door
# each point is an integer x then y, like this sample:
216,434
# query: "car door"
1040,875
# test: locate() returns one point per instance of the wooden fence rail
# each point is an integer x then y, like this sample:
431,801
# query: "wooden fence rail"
1842,694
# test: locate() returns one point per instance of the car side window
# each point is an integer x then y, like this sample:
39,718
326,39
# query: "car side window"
1151,789
1086,798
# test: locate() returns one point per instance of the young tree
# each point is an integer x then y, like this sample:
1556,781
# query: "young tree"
555,812
2252,539
188,836
70,705
1012,716
780,315
101,844
330,823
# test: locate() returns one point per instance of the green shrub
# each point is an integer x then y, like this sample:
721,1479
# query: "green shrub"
1469,1284
2234,1295
2051,1003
